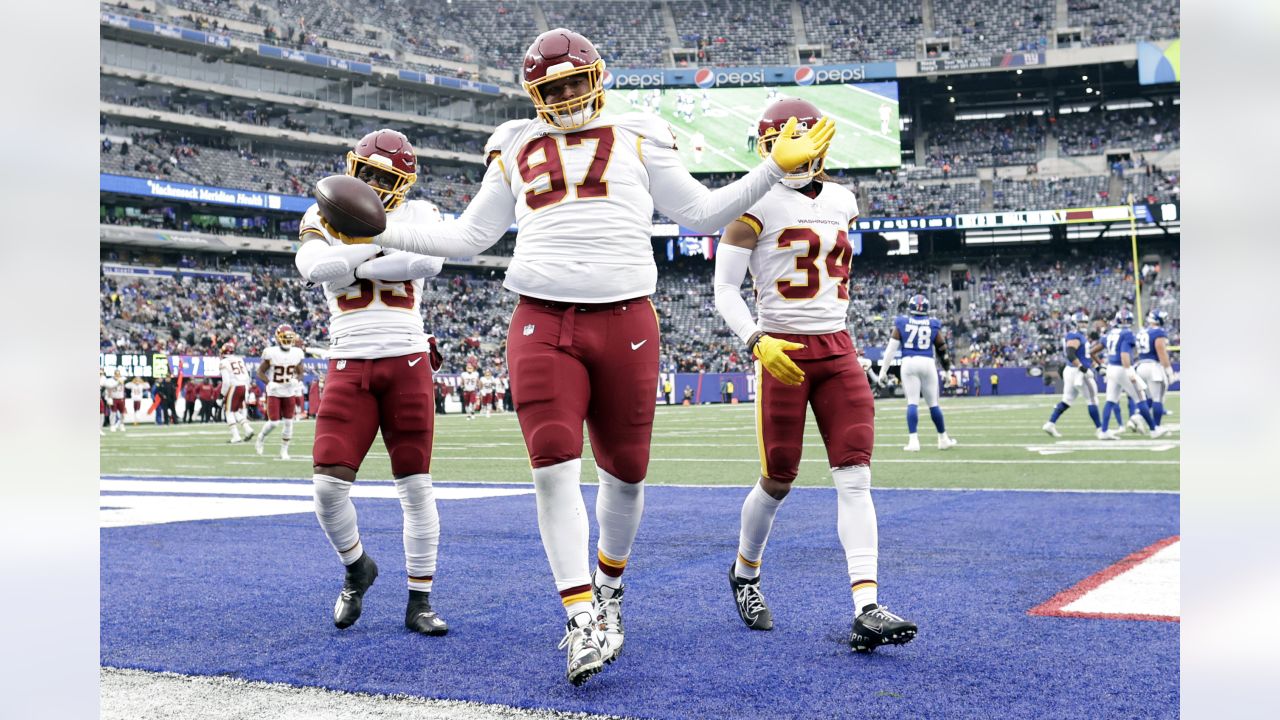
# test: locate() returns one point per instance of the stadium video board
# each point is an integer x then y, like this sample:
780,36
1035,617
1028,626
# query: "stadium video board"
716,127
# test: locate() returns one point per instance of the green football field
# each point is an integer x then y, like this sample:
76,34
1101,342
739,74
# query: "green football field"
1001,446
856,111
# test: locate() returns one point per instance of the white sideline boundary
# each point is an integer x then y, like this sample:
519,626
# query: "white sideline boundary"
132,694
438,483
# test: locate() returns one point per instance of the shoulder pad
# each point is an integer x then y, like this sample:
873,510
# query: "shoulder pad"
650,127
311,222
504,135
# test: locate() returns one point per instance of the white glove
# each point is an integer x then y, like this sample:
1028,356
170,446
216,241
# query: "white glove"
1133,376
1170,377
881,376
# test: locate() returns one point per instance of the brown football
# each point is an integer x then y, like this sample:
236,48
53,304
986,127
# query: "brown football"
350,206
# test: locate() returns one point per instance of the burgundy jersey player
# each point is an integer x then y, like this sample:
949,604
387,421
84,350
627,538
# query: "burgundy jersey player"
795,243
583,340
379,378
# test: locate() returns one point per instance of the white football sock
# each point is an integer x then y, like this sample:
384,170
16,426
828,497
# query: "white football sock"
267,427
562,522
337,516
758,511
859,534
421,529
619,506
287,433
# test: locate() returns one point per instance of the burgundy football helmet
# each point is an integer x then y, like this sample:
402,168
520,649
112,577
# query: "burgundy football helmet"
775,117
389,153
285,336
228,348
558,54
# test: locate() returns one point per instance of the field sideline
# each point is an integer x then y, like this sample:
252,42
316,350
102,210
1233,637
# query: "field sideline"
1001,446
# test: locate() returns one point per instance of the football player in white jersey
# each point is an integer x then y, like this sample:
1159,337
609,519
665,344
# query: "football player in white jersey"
281,366
795,242
115,393
137,390
487,384
379,378
235,385
582,188
470,380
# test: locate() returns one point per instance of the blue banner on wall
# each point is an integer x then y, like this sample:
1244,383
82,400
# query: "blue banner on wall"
354,66
173,31
201,193
708,77
449,82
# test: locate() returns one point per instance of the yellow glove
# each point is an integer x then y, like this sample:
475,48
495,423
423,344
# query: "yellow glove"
793,153
772,354
346,239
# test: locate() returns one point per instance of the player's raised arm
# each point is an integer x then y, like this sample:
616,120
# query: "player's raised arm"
685,200
481,225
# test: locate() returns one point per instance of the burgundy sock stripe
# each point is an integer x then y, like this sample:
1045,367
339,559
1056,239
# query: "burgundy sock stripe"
576,590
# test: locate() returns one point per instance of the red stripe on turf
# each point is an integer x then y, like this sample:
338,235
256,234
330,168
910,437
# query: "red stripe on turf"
1053,607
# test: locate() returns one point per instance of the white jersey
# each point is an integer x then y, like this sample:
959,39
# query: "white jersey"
137,390
373,319
111,388
800,265
282,372
583,205
470,380
234,374
486,385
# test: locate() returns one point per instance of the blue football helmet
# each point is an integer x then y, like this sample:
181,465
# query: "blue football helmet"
918,305
1124,318
1157,317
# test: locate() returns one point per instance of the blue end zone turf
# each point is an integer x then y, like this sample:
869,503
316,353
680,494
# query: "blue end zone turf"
252,598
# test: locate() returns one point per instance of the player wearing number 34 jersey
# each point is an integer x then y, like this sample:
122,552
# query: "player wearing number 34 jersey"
795,242
583,340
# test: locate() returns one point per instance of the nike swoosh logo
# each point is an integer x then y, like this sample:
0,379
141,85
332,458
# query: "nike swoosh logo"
414,361
636,346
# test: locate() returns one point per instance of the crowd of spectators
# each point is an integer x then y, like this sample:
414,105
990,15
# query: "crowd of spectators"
1143,129
632,33
1010,311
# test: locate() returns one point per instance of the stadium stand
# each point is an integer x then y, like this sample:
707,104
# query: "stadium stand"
863,30
960,148
1010,314
1113,22
734,32
988,28
631,33
1090,133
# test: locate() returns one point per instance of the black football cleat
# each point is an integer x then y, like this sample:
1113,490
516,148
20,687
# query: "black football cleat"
419,617
583,643
750,601
360,575
877,626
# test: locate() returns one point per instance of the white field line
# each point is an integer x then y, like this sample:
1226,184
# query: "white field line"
529,483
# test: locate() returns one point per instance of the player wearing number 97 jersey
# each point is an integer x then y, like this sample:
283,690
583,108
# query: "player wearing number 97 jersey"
379,377
583,340
795,242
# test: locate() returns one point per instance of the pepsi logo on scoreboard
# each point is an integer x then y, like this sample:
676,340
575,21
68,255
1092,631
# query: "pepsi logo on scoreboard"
704,78
804,75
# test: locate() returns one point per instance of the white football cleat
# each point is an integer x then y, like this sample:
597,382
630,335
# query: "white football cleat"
284,454
1108,435
258,446
913,444
1160,431
946,442
1052,429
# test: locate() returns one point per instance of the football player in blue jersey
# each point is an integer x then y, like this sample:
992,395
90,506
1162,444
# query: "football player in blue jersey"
1077,376
1121,374
920,339
1154,366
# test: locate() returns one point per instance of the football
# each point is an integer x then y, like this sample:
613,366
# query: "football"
350,206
